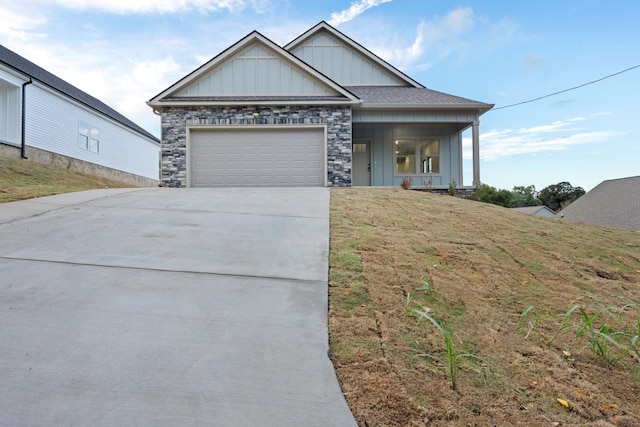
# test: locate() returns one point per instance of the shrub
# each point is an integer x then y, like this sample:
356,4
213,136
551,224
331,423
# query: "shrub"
406,183
452,187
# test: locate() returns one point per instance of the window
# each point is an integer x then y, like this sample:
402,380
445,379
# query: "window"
9,112
359,148
88,137
417,156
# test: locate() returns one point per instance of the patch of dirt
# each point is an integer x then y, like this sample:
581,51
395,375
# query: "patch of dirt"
475,269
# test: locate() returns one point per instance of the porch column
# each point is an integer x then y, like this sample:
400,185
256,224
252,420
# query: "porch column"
476,153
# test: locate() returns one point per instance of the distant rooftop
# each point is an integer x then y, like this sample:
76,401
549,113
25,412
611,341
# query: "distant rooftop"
613,203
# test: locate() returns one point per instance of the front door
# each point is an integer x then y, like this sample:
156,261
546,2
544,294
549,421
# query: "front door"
361,159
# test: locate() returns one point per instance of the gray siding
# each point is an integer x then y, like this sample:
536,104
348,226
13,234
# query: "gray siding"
413,116
343,64
256,71
382,147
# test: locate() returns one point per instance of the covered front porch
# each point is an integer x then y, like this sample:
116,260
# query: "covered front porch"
425,147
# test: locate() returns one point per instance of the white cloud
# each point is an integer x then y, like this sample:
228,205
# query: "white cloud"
557,126
434,41
504,29
354,10
120,80
559,135
20,26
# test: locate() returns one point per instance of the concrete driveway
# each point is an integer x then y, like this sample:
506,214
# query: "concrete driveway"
167,307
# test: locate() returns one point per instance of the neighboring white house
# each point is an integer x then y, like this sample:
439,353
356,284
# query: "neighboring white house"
321,111
48,120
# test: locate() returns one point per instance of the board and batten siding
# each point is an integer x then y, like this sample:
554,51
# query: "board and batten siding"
382,139
52,124
413,116
255,71
343,64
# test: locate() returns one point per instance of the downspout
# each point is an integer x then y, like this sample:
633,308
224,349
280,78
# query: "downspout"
23,147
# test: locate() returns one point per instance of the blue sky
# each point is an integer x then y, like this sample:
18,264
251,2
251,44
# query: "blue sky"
501,52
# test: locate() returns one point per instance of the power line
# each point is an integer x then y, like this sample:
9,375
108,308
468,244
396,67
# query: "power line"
566,90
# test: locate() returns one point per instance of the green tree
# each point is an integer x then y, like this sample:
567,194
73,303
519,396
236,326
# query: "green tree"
525,196
488,194
559,196
519,197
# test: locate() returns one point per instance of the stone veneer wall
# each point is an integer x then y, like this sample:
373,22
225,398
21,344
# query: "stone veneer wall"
176,119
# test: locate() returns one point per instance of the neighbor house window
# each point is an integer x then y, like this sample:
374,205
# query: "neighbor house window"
88,137
9,112
419,156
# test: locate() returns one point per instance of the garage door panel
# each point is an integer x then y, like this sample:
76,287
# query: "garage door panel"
270,157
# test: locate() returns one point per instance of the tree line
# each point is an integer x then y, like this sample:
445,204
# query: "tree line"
555,197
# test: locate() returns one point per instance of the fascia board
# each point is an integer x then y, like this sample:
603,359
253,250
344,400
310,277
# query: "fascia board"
11,75
476,107
354,44
242,103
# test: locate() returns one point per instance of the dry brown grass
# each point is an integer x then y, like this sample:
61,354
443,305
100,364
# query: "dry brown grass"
21,179
485,265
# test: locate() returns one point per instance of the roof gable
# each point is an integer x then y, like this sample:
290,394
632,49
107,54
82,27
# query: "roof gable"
34,72
344,60
254,69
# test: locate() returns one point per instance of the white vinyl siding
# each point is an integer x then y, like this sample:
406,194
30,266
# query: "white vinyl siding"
53,125
258,157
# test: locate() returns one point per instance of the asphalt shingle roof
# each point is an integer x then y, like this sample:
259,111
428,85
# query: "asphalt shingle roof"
403,95
613,203
28,68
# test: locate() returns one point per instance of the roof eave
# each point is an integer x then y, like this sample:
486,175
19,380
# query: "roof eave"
172,103
483,108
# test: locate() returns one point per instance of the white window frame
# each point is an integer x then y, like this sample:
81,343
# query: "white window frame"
416,140
88,137
10,112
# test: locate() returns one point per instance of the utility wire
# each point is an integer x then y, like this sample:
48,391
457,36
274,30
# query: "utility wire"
566,90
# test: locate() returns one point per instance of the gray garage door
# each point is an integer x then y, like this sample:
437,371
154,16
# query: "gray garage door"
265,157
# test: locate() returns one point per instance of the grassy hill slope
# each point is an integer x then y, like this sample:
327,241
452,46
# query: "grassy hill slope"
541,315
21,179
